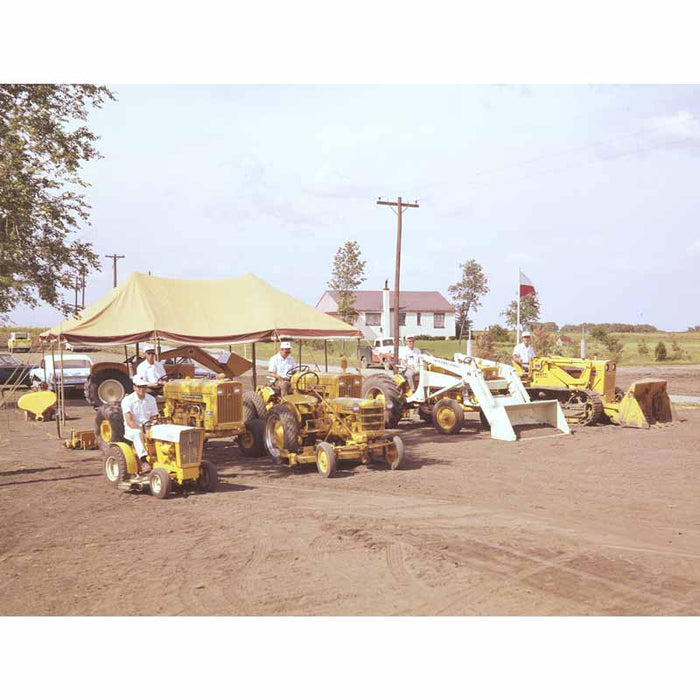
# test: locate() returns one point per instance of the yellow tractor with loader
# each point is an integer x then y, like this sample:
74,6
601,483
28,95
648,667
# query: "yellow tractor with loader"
325,420
587,392
175,458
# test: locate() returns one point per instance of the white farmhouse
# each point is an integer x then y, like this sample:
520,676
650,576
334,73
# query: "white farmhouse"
420,313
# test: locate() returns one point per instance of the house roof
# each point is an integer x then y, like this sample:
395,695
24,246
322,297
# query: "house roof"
409,301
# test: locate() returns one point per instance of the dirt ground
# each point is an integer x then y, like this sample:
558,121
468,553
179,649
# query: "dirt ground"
604,522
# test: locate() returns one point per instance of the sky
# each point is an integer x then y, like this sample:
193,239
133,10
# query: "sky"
590,190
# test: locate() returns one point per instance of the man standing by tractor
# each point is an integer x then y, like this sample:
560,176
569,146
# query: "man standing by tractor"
408,356
138,407
524,352
151,369
280,365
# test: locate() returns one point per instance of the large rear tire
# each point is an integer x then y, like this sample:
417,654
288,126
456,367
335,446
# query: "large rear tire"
448,417
252,442
109,425
115,467
281,432
253,406
107,386
382,385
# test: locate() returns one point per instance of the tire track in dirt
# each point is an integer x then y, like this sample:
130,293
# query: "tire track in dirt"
246,580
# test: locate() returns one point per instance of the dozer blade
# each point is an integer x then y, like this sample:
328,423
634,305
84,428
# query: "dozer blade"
645,403
532,413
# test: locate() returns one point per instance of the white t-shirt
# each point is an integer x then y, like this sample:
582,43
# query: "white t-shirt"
408,356
524,353
281,365
151,372
140,410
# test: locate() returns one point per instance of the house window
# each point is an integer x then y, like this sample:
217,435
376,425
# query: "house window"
373,319
418,318
439,320
402,319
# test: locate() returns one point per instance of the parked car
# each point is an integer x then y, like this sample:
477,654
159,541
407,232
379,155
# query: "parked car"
12,371
76,370
380,354
19,341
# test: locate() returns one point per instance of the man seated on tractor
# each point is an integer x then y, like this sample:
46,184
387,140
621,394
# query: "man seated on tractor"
151,369
524,352
280,364
408,355
138,408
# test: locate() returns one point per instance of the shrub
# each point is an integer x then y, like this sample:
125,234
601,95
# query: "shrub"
642,347
483,347
660,351
499,333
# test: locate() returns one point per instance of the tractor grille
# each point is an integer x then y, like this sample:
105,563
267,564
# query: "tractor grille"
372,419
189,446
350,385
229,403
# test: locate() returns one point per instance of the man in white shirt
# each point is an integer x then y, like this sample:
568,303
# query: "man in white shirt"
151,369
280,364
408,356
524,352
138,407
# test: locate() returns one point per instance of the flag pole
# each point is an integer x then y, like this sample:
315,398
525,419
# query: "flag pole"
517,325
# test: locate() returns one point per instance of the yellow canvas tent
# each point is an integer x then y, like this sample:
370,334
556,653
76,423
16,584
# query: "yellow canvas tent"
200,312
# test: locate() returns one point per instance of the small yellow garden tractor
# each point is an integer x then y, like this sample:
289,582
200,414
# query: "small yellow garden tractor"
218,406
449,389
175,457
587,393
324,420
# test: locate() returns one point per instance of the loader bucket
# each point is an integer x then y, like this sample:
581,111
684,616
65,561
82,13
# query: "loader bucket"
645,403
504,419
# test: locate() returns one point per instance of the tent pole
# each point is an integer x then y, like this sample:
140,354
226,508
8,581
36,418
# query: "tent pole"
299,350
325,352
255,372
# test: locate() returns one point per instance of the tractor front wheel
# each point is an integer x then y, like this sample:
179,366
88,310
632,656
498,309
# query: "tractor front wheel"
115,466
326,461
208,476
281,432
394,453
109,425
448,417
252,442
160,483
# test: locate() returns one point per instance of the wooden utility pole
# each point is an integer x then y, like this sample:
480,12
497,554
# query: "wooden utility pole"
114,257
82,299
400,206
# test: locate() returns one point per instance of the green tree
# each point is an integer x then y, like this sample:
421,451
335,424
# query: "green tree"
660,352
347,275
43,144
529,311
466,294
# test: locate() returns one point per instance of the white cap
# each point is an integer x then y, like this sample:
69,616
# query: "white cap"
526,334
139,381
285,346
148,348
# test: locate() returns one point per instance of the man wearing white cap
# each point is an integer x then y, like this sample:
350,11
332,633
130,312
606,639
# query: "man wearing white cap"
151,369
280,364
524,352
408,355
138,407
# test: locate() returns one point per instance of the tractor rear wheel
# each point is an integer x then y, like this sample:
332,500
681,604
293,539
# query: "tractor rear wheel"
208,476
326,461
394,454
253,406
382,385
281,432
252,442
115,466
107,386
448,417
109,425
160,483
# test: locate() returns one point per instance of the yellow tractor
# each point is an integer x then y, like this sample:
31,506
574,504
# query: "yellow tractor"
217,406
587,392
324,420
175,457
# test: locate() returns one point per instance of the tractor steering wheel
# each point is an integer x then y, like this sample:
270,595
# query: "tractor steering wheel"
297,368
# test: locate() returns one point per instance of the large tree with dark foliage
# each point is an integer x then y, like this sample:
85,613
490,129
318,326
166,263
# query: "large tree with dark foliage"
44,141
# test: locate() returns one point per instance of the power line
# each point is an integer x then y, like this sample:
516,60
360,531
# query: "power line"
114,257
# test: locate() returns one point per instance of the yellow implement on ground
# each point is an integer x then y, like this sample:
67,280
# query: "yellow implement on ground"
586,391
38,405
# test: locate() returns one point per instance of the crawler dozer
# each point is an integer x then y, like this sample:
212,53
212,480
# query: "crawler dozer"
325,420
587,393
448,389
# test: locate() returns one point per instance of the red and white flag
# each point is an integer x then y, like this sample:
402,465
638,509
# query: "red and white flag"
526,286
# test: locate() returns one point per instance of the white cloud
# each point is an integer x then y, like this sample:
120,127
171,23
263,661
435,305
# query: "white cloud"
681,125
694,247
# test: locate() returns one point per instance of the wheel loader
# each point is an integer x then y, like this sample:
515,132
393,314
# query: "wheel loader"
325,420
217,406
587,392
449,389
174,453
